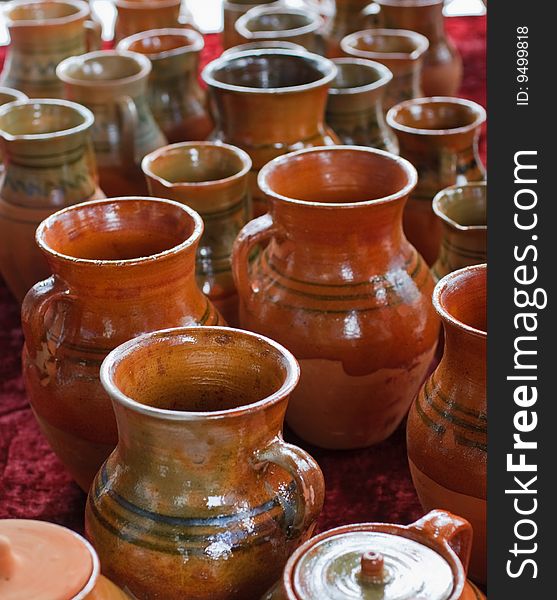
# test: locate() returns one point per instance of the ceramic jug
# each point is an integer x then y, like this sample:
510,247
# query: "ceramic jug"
122,267
355,104
43,561
350,16
462,210
426,560
270,102
177,101
202,498
439,136
442,68
400,50
43,33
134,16
232,11
113,84
212,179
302,27
348,295
447,425
49,163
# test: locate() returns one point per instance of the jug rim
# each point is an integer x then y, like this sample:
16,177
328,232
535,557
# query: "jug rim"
82,12
315,21
385,76
195,39
420,41
436,205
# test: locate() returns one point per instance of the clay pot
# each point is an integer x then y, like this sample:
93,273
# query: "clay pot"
43,561
447,425
176,100
42,33
232,11
262,23
264,45
349,296
439,136
399,50
49,163
134,16
270,102
355,105
113,84
350,16
462,210
212,179
122,267
427,559
442,68
202,498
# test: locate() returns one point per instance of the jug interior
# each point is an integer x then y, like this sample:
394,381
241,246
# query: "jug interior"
464,297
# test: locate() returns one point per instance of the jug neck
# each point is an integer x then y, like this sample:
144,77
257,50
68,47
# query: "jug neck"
426,19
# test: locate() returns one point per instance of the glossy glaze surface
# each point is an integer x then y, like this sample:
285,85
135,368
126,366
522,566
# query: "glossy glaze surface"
447,425
177,101
113,84
439,136
349,296
121,267
134,16
212,179
49,163
270,102
202,498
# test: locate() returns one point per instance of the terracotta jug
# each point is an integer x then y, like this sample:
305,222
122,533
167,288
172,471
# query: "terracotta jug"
264,45
439,136
400,50
232,11
303,27
113,84
350,16
462,210
349,296
121,267
134,16
447,425
175,97
43,561
43,33
49,163
426,560
355,104
442,69
270,102
202,498
212,179
8,95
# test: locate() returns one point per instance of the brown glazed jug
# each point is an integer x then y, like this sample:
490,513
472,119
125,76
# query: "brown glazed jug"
270,102
211,178
400,50
350,16
122,267
355,104
462,210
113,84
426,560
134,16
340,286
175,97
48,164
442,69
447,425
44,561
232,11
202,498
439,136
43,33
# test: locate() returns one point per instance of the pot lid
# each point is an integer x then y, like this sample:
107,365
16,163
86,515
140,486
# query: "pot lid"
371,565
44,561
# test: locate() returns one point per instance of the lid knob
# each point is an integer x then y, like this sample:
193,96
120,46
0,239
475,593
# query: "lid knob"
7,558
373,567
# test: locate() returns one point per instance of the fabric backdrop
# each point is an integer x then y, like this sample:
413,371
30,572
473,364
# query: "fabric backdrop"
365,485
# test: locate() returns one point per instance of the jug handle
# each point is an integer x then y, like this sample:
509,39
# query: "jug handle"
36,304
127,112
307,475
255,232
93,33
447,529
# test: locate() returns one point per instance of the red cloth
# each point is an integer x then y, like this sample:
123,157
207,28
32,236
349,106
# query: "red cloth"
364,485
